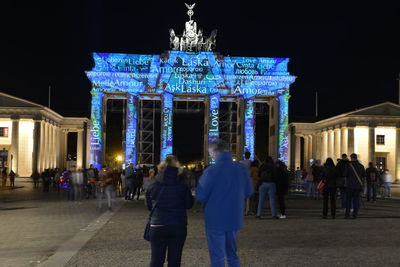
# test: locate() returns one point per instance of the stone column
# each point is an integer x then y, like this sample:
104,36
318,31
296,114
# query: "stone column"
371,145
131,129
96,129
240,129
330,145
273,128
310,146
350,140
46,145
79,150
297,152
50,151
36,146
343,141
337,145
306,159
15,144
58,147
249,117
318,146
211,123
324,148
42,146
397,159
283,128
314,146
166,125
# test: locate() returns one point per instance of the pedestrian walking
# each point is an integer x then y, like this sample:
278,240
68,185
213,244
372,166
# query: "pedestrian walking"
316,170
12,179
298,175
254,174
282,186
222,189
170,198
329,177
92,175
137,182
247,163
355,180
105,188
340,167
387,183
373,176
35,177
77,183
46,179
129,176
267,186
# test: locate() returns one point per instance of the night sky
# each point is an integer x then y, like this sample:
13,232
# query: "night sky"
350,55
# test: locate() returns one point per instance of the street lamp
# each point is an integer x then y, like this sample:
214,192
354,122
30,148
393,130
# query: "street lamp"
119,158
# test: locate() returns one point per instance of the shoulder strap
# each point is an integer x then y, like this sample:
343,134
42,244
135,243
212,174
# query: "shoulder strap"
156,202
354,170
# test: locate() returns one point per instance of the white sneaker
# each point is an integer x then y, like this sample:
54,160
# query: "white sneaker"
282,217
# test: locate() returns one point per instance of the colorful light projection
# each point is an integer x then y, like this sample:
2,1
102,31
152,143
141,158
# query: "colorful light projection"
213,123
189,73
96,134
249,117
283,141
166,134
131,127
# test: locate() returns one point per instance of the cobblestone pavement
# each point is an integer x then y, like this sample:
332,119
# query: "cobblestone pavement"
303,239
34,224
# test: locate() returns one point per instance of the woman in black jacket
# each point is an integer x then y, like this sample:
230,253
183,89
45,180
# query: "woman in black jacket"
168,223
282,186
330,178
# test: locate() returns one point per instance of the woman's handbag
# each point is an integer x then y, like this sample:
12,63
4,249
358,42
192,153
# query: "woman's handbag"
321,187
146,234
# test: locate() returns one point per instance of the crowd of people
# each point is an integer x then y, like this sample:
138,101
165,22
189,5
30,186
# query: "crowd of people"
5,176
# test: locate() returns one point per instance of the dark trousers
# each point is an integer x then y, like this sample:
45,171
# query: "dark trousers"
343,197
371,188
329,193
163,238
136,189
128,188
281,203
352,198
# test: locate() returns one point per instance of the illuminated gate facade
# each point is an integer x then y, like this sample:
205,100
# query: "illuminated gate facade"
190,71
197,76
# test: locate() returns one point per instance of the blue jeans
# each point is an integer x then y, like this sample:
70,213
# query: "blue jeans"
387,186
222,245
371,188
264,189
311,189
167,239
352,198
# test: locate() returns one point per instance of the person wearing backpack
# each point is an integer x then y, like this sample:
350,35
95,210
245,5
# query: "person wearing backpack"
330,178
266,185
355,179
372,175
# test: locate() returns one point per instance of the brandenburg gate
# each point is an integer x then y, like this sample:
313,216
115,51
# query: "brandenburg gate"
190,71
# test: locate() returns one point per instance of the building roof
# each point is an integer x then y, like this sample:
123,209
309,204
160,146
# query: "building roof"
12,106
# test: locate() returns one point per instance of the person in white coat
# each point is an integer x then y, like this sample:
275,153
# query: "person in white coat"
387,183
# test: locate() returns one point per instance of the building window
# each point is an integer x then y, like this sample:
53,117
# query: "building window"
3,131
380,139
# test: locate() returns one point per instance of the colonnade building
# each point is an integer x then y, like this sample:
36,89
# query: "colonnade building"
34,137
373,133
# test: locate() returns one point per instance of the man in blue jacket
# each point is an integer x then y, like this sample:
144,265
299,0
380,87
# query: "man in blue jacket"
223,189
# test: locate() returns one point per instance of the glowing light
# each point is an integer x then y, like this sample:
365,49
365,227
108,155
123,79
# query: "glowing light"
131,128
96,134
283,141
213,123
166,134
249,127
119,158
